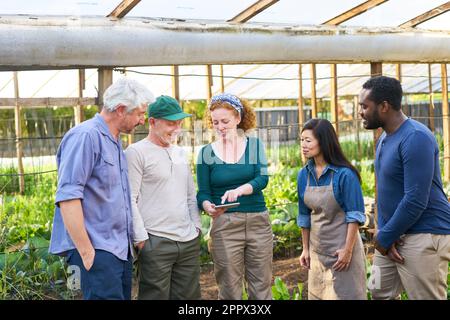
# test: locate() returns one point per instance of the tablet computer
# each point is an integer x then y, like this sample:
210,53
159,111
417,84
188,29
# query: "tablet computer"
228,205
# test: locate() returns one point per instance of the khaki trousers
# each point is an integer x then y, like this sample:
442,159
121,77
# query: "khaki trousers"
423,275
242,244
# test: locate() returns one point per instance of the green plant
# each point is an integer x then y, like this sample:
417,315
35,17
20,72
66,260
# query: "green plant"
31,273
244,291
448,282
35,183
355,150
297,295
367,181
282,187
280,291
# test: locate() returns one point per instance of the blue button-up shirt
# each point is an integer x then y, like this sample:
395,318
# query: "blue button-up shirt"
346,189
92,167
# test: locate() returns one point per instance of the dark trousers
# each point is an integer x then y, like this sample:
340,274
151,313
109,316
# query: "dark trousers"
108,279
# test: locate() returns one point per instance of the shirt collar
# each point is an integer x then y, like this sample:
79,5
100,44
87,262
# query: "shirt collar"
310,166
103,126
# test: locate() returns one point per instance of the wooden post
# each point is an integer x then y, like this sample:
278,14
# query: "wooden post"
443,8
301,117
313,91
446,122
253,10
19,146
431,106
334,99
357,125
222,82
209,82
123,8
376,69
176,83
353,12
104,81
78,109
130,136
398,72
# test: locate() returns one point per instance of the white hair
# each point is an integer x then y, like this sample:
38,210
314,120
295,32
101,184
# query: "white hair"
127,92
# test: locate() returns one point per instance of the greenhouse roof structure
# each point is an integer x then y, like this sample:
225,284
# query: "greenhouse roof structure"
256,46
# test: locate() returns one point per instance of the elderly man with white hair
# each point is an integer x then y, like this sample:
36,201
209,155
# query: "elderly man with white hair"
92,225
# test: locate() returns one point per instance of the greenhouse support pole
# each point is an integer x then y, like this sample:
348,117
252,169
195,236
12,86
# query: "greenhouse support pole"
357,124
398,72
222,82
431,106
334,98
301,116
105,79
376,69
19,147
313,91
130,136
78,109
446,123
209,82
176,82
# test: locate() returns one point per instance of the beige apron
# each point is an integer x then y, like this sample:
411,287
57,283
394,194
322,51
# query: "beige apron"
328,234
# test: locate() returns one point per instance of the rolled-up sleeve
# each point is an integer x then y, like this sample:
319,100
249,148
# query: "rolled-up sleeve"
304,213
76,162
352,200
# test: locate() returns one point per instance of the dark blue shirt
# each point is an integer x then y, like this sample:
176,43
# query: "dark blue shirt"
92,167
346,189
410,194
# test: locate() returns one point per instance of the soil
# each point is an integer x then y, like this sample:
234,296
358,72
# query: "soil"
288,270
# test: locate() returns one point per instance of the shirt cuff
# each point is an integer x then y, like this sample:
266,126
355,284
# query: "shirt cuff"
69,192
383,239
140,235
304,221
201,200
355,216
254,186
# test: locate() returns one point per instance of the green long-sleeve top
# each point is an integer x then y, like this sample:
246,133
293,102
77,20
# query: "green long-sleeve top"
214,176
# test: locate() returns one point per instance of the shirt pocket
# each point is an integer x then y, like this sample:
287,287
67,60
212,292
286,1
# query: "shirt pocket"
109,170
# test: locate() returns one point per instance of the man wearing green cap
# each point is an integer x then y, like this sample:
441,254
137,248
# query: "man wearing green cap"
166,220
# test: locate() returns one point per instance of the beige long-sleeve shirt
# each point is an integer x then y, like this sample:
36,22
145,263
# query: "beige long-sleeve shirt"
163,195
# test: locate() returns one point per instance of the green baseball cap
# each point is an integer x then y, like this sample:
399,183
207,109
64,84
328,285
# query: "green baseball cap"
167,108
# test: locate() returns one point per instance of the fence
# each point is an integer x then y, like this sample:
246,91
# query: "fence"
42,134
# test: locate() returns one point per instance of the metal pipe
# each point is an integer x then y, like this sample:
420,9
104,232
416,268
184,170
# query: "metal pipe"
28,43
